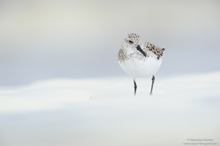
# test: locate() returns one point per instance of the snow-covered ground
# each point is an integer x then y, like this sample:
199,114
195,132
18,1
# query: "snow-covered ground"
104,112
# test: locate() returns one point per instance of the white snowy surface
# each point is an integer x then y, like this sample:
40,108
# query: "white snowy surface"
104,112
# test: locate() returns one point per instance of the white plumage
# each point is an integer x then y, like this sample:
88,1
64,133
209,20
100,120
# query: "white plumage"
146,67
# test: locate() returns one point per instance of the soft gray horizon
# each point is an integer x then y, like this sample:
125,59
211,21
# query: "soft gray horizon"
80,39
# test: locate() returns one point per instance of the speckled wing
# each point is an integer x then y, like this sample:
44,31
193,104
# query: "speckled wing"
156,50
122,56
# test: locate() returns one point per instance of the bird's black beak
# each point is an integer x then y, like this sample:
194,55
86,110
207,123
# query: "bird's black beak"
140,50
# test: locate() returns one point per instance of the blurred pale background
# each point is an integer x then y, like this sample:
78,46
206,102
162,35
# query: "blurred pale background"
61,58
45,39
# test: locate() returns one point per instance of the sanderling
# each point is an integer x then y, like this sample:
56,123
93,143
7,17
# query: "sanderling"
140,59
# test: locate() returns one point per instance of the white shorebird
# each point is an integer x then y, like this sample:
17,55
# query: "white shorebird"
140,59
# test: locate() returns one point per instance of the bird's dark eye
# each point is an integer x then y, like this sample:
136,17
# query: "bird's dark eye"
131,42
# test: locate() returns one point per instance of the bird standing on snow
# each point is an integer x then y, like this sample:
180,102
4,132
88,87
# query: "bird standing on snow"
140,59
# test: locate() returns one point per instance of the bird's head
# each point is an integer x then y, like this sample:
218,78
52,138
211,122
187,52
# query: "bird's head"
132,40
134,43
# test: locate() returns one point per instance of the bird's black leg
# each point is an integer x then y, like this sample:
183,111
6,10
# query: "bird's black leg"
152,85
135,87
